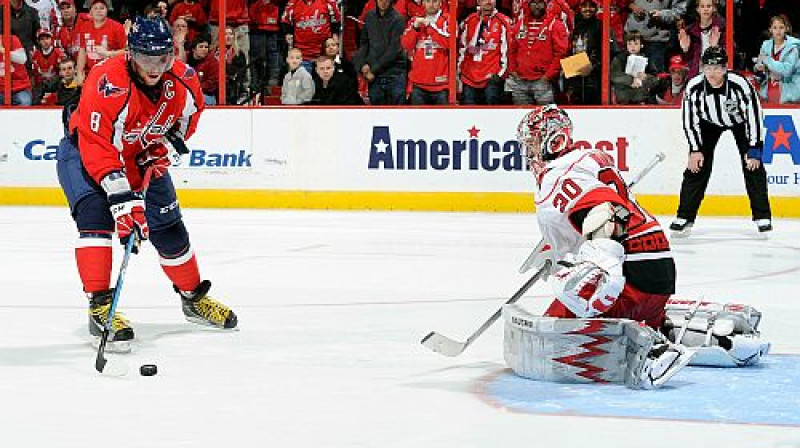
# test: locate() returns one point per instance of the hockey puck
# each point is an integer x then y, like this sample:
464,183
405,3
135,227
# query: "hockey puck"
148,369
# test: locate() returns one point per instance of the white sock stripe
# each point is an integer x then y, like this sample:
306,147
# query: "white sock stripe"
93,242
177,261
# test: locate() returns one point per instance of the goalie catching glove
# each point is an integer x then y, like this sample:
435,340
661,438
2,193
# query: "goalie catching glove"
590,282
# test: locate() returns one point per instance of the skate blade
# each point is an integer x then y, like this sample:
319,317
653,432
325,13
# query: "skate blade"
680,233
205,323
114,346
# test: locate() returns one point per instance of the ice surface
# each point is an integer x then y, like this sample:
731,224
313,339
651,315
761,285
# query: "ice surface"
332,306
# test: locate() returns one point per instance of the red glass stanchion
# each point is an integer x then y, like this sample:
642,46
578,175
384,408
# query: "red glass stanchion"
605,79
6,36
222,51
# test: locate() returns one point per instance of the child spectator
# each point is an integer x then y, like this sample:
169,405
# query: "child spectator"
426,39
298,87
669,91
264,54
207,68
703,33
631,89
537,48
483,56
655,19
332,88
64,87
45,65
779,60
194,15
20,83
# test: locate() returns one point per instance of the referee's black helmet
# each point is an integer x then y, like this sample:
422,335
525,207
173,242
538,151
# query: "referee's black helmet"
715,56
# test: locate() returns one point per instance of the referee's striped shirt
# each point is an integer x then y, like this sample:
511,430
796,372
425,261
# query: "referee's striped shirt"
735,102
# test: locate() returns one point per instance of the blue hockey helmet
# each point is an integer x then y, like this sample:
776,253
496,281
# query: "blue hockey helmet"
151,47
150,36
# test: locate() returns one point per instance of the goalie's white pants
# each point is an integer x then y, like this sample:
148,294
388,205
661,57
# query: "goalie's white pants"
589,350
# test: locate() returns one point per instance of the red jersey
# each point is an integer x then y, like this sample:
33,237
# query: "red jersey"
312,24
484,46
265,16
19,75
429,50
196,12
110,35
235,12
66,37
115,121
45,66
537,48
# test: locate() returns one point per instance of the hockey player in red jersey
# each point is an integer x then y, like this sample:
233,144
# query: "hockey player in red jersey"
131,107
613,260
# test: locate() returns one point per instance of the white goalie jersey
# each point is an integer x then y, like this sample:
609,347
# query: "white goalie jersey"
577,181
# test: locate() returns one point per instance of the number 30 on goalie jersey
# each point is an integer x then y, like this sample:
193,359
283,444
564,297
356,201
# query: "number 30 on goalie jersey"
578,181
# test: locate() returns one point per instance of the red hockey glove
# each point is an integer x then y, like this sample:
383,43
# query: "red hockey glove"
128,211
157,157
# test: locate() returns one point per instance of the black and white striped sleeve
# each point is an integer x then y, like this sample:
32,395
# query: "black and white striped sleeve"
690,113
754,114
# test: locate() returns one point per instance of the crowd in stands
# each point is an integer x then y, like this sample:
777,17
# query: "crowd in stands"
391,52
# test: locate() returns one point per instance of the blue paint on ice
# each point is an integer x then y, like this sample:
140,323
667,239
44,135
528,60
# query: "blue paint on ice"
765,394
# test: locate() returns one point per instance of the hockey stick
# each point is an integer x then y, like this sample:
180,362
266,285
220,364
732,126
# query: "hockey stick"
101,361
448,347
528,263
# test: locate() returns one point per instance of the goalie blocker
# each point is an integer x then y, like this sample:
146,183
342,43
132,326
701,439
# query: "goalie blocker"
724,335
589,350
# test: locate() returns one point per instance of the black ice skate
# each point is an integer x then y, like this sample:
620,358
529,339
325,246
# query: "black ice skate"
764,225
121,331
201,309
681,228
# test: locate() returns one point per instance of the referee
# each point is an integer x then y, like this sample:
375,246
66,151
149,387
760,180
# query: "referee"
716,101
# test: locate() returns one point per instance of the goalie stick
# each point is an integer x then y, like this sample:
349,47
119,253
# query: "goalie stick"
449,347
528,263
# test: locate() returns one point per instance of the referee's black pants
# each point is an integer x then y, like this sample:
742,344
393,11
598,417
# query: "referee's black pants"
694,185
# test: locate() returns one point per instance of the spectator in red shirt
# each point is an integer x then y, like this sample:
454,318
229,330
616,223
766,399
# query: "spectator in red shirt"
100,39
483,55
207,68
20,83
66,35
308,23
264,54
45,65
195,17
539,44
427,41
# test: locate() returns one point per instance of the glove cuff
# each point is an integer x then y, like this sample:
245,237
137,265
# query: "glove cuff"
115,183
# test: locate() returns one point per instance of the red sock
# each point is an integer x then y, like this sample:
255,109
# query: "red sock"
183,271
94,258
